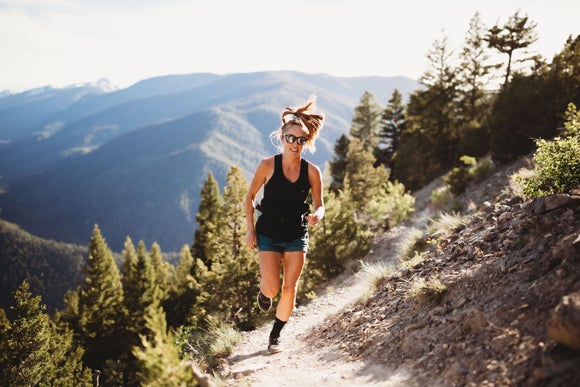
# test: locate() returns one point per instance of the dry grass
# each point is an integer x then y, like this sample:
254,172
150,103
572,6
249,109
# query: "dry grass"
427,290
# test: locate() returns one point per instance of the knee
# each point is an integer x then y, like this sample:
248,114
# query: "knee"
269,291
289,289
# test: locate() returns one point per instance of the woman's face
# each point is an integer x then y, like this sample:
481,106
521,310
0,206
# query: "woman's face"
294,138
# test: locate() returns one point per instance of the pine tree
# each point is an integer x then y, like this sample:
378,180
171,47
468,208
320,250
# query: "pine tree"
209,205
100,304
429,144
67,356
474,73
163,270
233,278
35,351
473,101
27,357
157,356
184,291
366,119
337,165
336,240
392,123
366,180
516,34
140,290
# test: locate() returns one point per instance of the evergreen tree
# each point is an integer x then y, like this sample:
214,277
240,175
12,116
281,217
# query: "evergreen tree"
337,165
428,146
516,34
100,304
366,180
209,205
158,358
233,279
163,270
34,352
474,73
128,264
531,107
392,123
185,290
473,100
140,290
66,355
366,119
27,342
338,239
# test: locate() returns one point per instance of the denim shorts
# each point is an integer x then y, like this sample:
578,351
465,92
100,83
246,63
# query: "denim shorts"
268,244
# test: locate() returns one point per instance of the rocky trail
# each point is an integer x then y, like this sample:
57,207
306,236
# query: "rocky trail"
475,312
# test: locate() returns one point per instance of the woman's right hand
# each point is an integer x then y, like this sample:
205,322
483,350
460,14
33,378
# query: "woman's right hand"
251,240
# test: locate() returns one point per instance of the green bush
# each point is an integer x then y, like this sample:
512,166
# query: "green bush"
459,177
557,167
557,162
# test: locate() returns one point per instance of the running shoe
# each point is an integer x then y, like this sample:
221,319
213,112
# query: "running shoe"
264,303
274,345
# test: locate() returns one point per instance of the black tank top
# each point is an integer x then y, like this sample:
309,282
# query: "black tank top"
284,206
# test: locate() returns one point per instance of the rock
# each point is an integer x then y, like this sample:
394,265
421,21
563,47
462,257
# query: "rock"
564,323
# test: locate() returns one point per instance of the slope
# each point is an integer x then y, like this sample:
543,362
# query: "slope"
504,270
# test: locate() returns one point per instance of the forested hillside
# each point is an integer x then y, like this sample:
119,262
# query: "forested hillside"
52,268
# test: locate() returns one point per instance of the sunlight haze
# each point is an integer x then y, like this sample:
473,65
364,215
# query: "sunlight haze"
63,42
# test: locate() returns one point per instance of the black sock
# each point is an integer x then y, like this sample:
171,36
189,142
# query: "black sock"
278,325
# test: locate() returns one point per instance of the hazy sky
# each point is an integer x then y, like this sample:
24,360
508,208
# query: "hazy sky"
61,42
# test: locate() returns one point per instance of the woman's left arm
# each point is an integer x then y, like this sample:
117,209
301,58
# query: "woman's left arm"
316,188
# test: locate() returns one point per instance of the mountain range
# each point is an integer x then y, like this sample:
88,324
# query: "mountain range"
134,160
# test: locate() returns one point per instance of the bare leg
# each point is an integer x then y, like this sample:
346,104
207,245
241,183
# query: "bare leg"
270,263
293,265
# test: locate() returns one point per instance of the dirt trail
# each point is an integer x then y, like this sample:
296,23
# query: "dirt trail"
301,364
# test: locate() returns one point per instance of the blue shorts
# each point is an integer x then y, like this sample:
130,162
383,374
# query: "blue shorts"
268,244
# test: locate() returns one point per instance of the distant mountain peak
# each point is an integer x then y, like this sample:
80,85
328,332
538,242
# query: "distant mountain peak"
103,84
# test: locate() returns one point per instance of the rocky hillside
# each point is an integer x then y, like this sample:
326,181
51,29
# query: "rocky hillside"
494,302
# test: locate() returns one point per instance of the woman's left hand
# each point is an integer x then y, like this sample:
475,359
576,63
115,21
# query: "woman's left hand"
313,219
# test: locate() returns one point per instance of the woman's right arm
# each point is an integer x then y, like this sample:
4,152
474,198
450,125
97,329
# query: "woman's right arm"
260,177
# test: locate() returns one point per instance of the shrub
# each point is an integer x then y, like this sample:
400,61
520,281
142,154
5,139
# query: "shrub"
557,167
557,162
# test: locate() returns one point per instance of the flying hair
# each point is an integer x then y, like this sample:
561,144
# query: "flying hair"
304,116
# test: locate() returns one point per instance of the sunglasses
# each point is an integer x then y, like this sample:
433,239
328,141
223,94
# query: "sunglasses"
290,138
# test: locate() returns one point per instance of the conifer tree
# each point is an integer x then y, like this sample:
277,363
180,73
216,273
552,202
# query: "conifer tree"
163,270
139,289
129,263
157,356
392,123
67,356
516,34
233,278
100,304
209,205
185,290
428,145
474,72
34,352
339,238
366,119
366,180
27,356
337,165
473,100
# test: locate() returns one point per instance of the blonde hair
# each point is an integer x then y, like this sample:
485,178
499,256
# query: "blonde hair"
303,116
